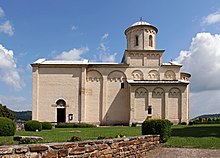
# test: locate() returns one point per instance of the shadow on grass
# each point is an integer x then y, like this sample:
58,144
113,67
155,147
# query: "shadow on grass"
197,131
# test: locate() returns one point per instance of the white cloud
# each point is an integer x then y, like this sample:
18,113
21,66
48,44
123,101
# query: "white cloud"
8,71
7,28
212,18
104,54
105,36
16,102
103,44
106,57
2,14
202,61
73,28
73,54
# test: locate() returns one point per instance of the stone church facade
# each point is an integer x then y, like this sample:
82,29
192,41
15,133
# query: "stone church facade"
140,87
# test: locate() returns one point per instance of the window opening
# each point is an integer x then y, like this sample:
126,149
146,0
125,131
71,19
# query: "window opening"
122,85
150,41
136,40
149,110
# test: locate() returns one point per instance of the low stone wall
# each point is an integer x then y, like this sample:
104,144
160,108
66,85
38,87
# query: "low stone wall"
121,147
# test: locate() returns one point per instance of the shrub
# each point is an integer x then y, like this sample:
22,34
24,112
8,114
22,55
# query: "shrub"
75,125
26,141
104,137
190,123
183,123
74,139
33,125
7,127
64,125
46,125
157,126
84,125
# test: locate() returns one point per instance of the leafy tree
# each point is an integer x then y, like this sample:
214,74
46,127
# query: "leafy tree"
5,112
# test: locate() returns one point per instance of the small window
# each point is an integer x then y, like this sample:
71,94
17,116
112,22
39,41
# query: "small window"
136,40
149,110
150,41
122,85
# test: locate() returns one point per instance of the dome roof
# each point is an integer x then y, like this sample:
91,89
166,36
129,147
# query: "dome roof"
140,23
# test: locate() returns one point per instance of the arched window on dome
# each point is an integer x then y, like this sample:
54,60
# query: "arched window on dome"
136,40
150,41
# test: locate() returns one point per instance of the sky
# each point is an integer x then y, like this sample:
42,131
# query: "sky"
189,32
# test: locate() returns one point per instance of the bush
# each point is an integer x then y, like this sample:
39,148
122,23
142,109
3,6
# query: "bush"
75,125
183,123
46,125
190,123
7,127
84,125
74,139
157,126
26,141
33,125
104,137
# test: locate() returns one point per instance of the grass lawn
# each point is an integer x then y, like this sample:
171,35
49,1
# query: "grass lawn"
196,136
64,134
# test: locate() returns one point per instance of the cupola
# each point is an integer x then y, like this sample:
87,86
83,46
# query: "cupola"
141,36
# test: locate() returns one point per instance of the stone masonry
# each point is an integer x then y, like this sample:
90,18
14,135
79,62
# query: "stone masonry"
131,147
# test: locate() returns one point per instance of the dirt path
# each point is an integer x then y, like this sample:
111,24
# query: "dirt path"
162,152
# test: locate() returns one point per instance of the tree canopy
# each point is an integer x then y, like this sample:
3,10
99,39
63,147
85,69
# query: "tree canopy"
5,112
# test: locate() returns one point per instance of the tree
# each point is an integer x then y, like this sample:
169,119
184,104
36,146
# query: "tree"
5,112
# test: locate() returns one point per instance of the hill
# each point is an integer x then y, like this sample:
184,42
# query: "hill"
22,115
208,116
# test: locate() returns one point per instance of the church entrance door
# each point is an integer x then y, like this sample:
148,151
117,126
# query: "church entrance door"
61,115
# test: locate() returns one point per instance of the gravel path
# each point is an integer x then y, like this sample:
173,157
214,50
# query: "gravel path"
162,152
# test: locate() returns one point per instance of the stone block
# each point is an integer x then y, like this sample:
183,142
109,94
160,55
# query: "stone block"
13,156
50,154
21,150
95,154
62,152
38,148
34,138
91,148
107,151
5,150
82,144
70,145
114,145
102,146
77,150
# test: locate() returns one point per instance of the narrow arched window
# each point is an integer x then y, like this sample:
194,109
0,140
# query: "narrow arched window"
150,41
136,40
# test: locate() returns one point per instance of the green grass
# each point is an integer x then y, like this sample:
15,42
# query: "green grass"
196,136
64,134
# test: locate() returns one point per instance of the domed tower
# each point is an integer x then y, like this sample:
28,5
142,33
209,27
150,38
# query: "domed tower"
141,46
141,36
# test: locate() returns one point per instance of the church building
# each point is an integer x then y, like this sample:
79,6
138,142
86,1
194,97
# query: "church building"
140,87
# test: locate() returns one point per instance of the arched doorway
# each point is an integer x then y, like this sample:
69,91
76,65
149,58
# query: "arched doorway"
61,110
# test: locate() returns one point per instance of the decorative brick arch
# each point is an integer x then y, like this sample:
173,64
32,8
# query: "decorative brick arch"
116,76
137,75
153,75
158,92
174,92
93,76
169,75
141,92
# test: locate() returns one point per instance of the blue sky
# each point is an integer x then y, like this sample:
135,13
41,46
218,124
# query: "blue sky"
188,31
